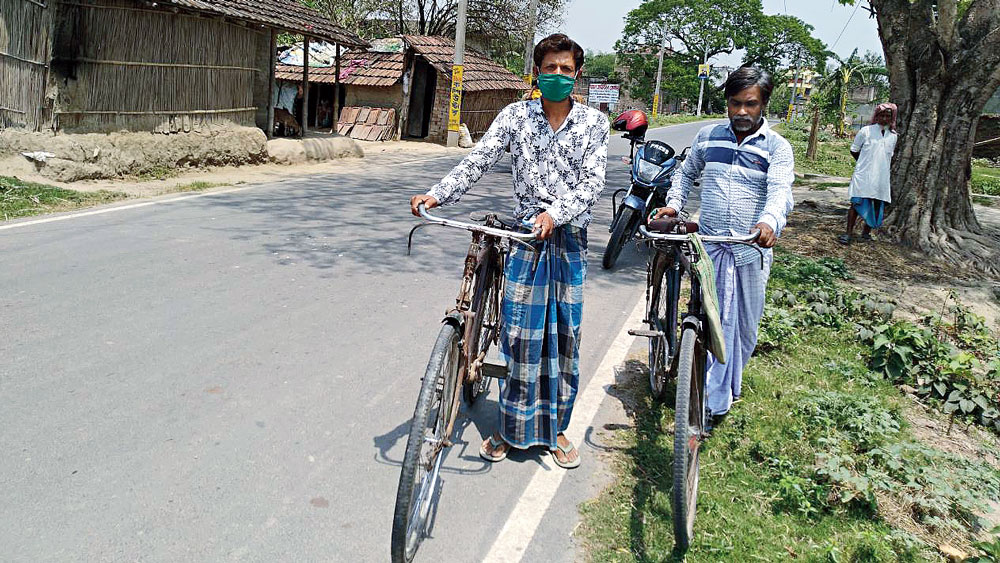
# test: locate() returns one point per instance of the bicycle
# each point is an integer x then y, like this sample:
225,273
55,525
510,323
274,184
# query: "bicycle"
457,369
674,255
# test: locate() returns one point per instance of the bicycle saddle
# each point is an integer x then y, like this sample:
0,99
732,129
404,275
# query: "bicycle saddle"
506,220
672,226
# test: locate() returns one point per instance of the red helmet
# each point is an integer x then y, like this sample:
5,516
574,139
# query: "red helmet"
632,121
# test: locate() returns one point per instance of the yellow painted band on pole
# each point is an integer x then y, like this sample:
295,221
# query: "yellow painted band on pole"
656,104
791,110
455,104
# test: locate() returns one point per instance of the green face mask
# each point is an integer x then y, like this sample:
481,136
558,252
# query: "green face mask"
555,87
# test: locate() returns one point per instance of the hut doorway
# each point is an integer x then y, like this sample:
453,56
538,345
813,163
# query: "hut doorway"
421,99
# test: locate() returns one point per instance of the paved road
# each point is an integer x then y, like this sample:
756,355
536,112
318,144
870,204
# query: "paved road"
231,377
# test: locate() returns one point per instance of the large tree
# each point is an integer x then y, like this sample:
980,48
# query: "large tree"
781,41
943,58
498,25
698,29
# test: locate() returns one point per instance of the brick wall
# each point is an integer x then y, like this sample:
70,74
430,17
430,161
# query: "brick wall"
437,131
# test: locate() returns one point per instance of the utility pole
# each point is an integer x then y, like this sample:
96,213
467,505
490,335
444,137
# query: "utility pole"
529,41
455,103
701,89
795,87
659,72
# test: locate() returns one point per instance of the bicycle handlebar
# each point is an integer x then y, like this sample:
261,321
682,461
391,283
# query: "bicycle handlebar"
472,227
745,239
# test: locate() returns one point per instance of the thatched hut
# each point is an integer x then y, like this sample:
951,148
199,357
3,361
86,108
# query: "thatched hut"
165,66
412,75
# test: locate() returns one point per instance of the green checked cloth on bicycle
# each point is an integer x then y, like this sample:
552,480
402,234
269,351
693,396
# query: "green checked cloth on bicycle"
540,341
704,268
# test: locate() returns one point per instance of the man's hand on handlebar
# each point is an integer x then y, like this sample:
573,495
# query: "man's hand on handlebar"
429,202
544,225
767,237
663,212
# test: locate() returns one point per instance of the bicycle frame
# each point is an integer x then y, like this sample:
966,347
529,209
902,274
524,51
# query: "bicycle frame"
486,255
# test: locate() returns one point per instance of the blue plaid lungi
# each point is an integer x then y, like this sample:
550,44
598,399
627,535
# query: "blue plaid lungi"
542,309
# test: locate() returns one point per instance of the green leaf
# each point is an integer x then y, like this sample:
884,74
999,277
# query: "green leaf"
967,406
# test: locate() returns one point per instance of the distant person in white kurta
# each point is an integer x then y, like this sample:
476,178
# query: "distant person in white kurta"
870,192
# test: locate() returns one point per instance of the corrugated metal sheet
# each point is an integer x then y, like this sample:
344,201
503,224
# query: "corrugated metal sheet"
289,15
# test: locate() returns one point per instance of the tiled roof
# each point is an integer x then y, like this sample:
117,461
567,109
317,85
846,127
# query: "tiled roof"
481,73
358,69
288,15
382,69
386,69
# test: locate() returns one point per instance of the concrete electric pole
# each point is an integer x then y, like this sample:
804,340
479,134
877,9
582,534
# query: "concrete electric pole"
701,89
529,41
455,103
659,72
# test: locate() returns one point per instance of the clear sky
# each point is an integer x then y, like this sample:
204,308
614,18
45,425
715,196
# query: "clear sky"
597,24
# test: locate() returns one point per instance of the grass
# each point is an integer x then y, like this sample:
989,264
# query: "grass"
777,475
24,199
737,519
833,155
985,180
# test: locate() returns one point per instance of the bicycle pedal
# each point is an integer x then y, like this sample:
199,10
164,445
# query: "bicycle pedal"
495,371
645,333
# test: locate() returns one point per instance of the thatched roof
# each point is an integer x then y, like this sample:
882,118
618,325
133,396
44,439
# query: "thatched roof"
481,73
287,15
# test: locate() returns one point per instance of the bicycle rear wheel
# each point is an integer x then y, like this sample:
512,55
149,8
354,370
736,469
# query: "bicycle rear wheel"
485,327
689,420
418,480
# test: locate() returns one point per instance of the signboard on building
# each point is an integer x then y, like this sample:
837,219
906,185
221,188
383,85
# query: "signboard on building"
604,93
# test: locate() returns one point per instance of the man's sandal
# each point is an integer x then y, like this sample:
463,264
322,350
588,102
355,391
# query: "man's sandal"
566,450
844,239
494,445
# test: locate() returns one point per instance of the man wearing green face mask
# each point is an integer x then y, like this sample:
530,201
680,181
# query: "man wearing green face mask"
559,152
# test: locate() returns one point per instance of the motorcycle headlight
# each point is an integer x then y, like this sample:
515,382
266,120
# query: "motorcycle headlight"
648,171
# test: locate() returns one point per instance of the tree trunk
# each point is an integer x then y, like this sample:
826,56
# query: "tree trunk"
941,77
813,135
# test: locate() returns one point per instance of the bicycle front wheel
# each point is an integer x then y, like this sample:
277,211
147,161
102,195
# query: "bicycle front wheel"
419,478
662,315
689,421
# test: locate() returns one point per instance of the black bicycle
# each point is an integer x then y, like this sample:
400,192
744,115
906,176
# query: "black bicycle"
457,369
678,350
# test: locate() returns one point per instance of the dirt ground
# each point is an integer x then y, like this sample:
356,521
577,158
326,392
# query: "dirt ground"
906,276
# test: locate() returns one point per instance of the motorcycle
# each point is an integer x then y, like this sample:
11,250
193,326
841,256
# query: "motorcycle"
653,164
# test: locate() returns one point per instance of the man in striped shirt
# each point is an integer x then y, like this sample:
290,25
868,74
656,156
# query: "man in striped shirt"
746,174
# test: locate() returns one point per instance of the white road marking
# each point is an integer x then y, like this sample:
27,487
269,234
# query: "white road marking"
117,208
523,521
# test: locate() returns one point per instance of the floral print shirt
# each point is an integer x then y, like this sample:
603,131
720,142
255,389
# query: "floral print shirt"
561,172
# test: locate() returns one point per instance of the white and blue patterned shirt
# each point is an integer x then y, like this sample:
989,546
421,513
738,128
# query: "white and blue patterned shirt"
561,172
742,184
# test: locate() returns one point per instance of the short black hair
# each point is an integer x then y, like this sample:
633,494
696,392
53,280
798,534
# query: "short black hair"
557,43
748,77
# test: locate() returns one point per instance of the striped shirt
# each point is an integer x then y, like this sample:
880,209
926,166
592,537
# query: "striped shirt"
742,184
